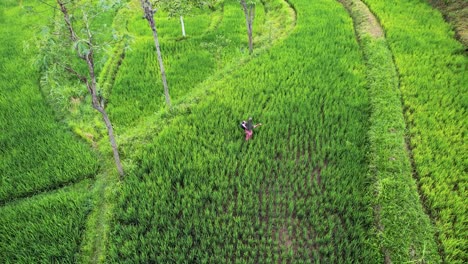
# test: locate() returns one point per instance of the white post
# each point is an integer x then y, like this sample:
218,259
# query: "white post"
183,26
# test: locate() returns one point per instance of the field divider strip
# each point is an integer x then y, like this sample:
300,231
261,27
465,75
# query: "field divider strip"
403,229
44,191
105,189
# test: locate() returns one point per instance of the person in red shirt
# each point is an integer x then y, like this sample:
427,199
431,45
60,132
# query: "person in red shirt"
248,127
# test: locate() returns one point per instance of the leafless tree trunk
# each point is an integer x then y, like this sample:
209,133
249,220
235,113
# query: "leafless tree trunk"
91,86
249,12
149,15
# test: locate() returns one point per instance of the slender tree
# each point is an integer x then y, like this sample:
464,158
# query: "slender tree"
148,14
248,6
85,48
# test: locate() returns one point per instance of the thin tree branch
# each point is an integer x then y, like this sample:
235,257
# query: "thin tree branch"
51,6
252,14
64,10
88,31
91,81
79,76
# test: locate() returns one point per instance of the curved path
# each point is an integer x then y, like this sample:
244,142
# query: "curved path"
403,228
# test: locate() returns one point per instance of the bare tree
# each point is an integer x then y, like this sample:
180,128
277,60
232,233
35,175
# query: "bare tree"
248,6
84,48
149,12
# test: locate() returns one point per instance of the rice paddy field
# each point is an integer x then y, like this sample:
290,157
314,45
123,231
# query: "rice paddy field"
45,170
361,156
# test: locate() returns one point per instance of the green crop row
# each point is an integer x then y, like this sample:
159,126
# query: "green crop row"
410,236
36,151
433,82
404,229
45,229
298,192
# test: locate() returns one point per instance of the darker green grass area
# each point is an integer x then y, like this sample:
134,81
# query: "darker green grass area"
36,151
37,154
47,228
298,192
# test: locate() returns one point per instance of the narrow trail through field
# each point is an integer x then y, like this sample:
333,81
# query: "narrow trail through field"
93,247
389,143
366,24
364,21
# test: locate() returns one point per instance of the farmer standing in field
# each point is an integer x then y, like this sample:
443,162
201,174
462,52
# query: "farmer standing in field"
248,128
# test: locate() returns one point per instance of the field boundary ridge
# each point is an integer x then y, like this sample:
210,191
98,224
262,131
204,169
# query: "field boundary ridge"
403,230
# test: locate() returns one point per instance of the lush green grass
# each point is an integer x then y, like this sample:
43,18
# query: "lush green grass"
298,192
188,62
407,233
65,93
404,230
47,228
36,152
433,82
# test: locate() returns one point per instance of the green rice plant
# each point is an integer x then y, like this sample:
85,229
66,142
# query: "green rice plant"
47,228
187,62
395,191
199,172
37,152
432,70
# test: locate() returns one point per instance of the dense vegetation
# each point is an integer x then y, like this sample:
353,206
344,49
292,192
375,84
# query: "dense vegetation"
45,229
299,191
433,84
326,179
210,44
36,152
404,230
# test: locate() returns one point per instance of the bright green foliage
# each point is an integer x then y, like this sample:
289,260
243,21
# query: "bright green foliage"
407,233
196,192
45,229
176,8
187,62
298,192
64,91
433,83
36,152
404,230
